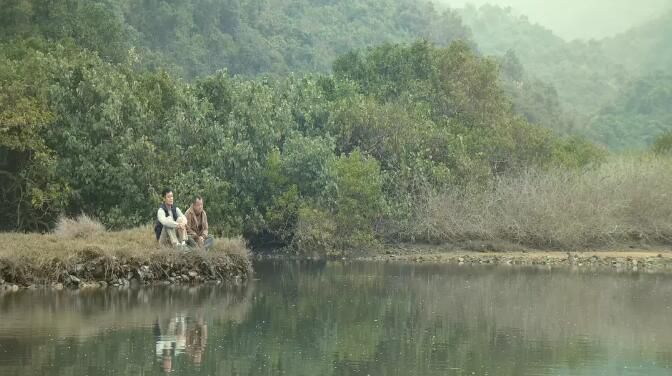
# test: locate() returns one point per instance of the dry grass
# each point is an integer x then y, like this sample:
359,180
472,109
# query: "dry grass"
625,200
81,227
232,246
27,258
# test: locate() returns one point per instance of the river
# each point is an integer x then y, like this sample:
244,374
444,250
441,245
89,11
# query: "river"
342,318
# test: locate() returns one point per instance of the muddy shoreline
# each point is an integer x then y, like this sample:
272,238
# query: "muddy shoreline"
652,259
644,260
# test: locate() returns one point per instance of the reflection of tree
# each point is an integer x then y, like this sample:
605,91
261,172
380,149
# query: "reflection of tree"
397,320
353,319
83,313
111,331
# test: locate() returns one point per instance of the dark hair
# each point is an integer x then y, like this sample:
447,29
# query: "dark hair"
196,198
165,192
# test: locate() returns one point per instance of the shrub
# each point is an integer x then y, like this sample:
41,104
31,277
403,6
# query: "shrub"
81,227
358,199
315,231
621,201
663,144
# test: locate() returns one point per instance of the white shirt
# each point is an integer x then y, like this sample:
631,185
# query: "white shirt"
167,220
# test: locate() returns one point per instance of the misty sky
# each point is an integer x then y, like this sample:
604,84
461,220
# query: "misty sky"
581,18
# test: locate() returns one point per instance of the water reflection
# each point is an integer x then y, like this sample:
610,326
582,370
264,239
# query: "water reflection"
180,335
115,331
351,319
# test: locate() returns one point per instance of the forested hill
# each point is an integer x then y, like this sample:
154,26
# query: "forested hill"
640,113
616,90
644,49
198,37
584,75
571,87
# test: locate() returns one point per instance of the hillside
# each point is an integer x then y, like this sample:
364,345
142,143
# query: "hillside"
582,73
249,37
641,112
644,49
606,89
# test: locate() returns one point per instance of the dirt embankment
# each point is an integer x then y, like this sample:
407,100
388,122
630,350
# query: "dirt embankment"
119,258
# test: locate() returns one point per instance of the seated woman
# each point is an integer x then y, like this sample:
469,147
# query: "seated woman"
171,224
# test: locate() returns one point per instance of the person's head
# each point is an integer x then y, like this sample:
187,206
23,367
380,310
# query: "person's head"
197,204
167,196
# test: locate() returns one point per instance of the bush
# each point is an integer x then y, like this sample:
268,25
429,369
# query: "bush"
576,152
81,227
358,199
345,219
621,201
663,144
315,231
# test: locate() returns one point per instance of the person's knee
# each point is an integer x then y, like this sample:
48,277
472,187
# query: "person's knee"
164,238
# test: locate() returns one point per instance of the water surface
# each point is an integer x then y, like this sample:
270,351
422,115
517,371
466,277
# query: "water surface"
350,319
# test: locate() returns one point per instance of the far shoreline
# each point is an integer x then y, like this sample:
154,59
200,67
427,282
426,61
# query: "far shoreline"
642,258
651,259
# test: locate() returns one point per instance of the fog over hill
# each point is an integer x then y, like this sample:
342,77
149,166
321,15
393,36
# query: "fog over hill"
584,19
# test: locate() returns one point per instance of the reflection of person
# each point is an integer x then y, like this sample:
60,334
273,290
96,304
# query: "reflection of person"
164,349
171,226
197,224
167,361
197,338
180,335
170,341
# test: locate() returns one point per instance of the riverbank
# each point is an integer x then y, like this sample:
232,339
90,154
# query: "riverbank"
98,258
653,259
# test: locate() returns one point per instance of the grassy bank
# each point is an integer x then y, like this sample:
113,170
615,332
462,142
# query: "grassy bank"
80,251
625,202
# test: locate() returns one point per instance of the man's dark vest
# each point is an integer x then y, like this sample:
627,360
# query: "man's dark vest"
159,227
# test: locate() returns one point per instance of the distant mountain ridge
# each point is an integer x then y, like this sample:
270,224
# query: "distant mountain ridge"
594,79
644,49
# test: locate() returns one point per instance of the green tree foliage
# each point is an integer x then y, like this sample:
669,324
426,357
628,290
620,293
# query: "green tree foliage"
30,188
358,198
314,161
466,119
95,25
637,116
198,37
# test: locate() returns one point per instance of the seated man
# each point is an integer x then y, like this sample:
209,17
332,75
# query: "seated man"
197,224
170,229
